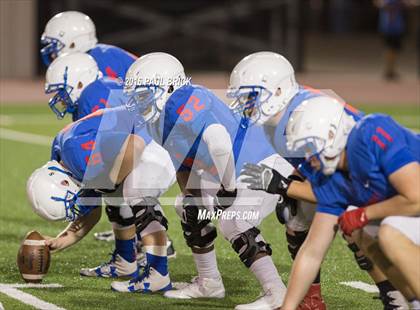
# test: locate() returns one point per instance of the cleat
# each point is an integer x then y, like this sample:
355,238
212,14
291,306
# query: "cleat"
107,236
148,282
394,300
313,299
272,299
199,288
117,267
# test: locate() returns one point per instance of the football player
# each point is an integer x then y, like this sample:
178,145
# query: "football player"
72,31
208,146
373,164
80,89
103,154
268,78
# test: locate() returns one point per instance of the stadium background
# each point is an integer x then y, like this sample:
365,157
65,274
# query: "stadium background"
334,44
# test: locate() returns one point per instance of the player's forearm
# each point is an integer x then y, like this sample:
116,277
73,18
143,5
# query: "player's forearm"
301,191
75,231
406,182
397,205
220,148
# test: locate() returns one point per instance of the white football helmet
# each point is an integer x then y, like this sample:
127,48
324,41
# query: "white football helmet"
319,127
263,82
150,81
67,32
52,192
67,77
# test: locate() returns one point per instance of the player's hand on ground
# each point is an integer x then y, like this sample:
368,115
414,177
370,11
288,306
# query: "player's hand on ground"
60,242
224,198
262,177
349,221
53,243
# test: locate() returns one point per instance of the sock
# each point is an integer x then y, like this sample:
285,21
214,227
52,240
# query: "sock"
206,265
156,258
126,249
385,287
415,304
266,273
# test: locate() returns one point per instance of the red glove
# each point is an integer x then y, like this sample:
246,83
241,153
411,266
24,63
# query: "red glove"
352,220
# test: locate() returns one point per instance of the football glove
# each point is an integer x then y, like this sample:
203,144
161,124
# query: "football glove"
349,221
262,177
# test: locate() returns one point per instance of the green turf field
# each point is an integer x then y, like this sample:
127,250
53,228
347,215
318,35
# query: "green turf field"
18,159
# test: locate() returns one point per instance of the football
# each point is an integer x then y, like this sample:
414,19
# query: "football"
33,258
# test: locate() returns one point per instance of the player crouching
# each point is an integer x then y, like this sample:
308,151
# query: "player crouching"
373,164
112,162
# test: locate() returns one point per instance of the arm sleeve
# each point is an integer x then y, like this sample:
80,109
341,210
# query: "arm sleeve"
220,148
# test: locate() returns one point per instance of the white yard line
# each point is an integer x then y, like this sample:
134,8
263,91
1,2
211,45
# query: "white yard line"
33,119
361,286
31,285
25,137
12,291
1,306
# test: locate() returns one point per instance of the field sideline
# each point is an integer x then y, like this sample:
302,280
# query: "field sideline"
18,159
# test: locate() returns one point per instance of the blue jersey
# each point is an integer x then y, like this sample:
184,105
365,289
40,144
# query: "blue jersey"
377,147
188,112
391,18
102,93
277,135
112,61
89,146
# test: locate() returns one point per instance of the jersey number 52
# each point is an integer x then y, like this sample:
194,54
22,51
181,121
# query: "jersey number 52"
186,111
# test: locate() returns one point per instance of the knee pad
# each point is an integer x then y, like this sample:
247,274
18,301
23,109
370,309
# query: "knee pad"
146,212
294,242
197,233
123,215
364,262
248,247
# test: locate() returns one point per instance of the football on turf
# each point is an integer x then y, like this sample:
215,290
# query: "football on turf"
33,258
